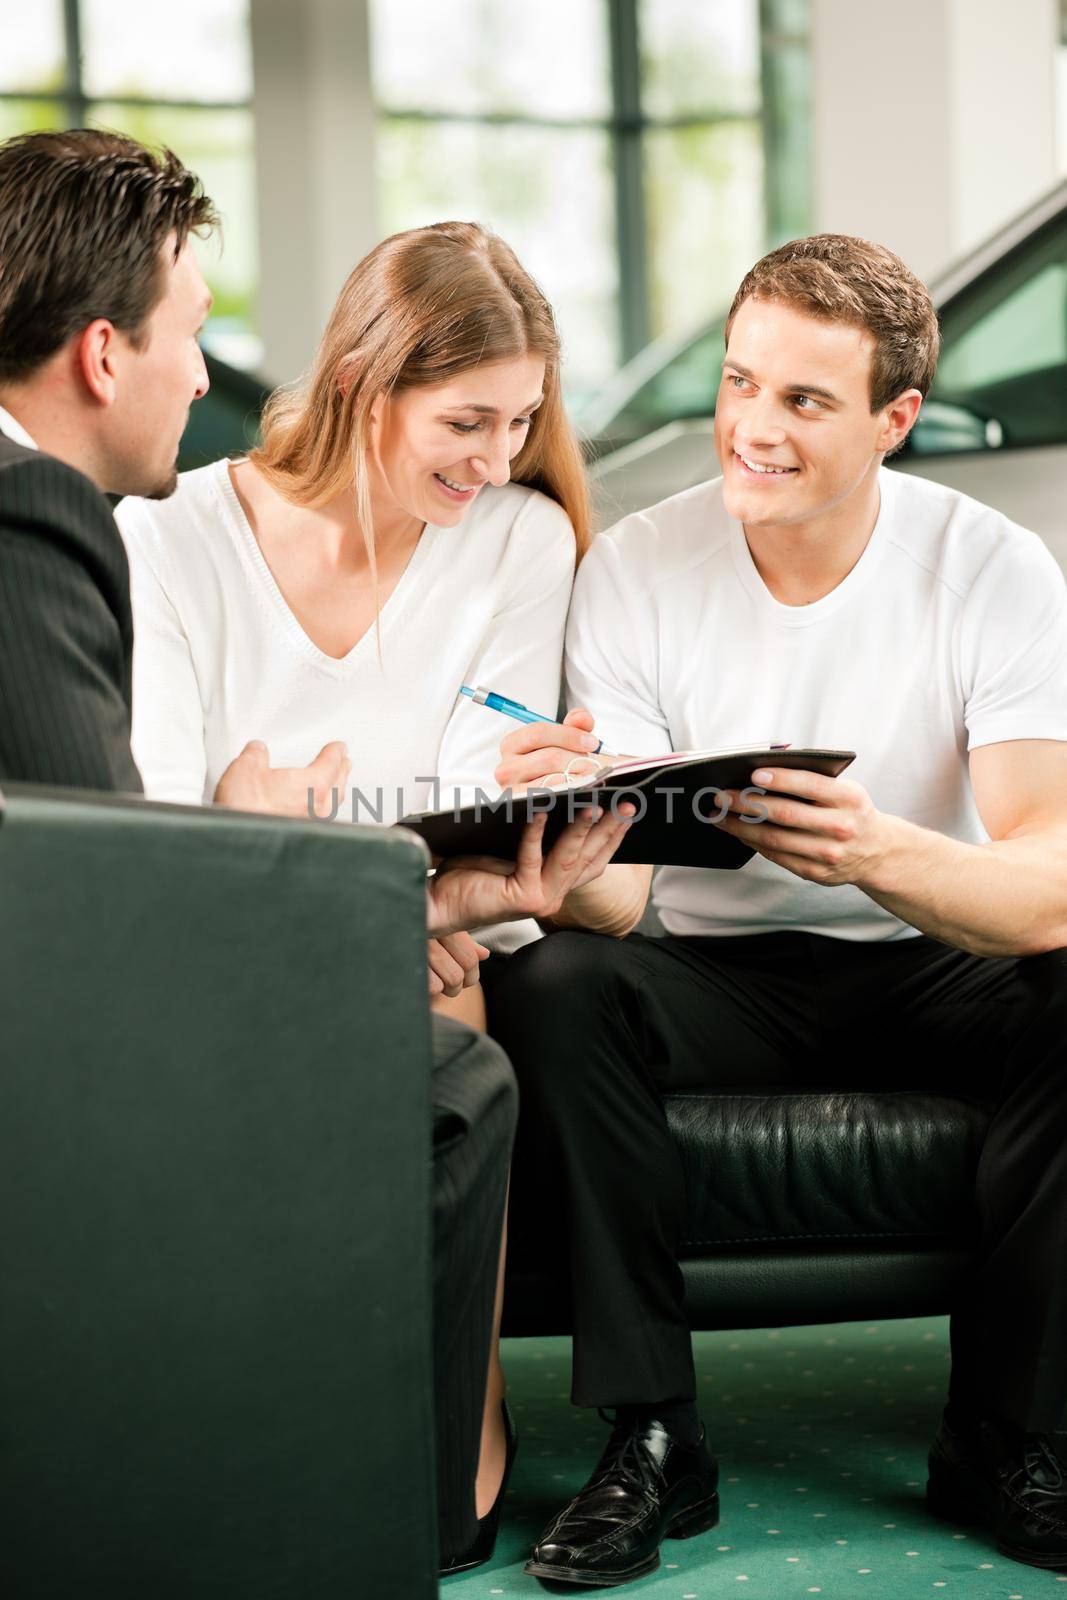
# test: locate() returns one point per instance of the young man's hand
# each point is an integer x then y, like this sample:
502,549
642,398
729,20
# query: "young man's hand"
826,830
250,783
470,891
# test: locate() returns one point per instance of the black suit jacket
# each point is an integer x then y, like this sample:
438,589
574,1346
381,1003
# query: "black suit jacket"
66,632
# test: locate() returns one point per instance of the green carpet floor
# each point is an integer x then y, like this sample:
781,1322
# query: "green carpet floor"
821,1435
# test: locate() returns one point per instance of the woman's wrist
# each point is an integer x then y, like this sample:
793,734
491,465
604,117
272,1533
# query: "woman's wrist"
612,904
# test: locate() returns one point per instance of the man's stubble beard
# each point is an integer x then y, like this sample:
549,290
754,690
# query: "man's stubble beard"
166,488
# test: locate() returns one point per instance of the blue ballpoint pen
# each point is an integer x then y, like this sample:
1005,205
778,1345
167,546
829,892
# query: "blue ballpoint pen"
511,708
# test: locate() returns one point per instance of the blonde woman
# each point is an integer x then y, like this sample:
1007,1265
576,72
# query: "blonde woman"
338,585
409,523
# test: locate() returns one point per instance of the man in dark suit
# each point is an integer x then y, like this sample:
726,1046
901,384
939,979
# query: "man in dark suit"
101,305
65,613
94,371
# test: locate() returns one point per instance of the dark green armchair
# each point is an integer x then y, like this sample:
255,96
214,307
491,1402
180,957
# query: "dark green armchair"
214,1205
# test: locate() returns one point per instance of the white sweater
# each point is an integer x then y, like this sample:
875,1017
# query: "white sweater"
219,658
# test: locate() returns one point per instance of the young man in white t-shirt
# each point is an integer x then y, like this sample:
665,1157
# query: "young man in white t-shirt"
903,924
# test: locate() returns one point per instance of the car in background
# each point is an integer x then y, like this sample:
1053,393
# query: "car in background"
994,424
226,421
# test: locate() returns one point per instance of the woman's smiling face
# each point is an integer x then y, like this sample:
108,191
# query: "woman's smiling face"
434,449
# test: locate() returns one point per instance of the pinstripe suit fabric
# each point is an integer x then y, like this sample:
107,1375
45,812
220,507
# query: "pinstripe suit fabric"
66,635
475,1107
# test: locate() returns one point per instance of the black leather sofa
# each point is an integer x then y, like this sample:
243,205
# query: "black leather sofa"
808,1208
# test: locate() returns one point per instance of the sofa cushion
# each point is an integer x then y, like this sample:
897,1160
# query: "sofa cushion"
812,1169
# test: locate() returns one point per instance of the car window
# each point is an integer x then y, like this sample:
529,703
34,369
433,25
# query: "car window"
1002,378
685,386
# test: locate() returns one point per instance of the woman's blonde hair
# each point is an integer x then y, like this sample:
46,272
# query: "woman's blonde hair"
421,308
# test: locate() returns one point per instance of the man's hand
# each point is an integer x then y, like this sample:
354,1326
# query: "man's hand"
1004,897
830,833
537,749
250,783
470,891
454,963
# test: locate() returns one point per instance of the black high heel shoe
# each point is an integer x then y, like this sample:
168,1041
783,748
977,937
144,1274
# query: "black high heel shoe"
484,1542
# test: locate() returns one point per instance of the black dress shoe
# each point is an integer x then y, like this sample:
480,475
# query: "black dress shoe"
484,1543
646,1487
1011,1482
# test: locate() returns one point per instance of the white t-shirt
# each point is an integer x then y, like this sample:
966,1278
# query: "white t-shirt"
950,632
219,658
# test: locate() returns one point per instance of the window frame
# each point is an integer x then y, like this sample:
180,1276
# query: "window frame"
626,125
76,104
786,157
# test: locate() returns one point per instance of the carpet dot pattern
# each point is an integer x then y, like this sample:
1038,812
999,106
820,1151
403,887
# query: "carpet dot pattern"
821,1435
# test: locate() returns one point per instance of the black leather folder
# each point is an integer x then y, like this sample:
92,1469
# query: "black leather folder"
676,802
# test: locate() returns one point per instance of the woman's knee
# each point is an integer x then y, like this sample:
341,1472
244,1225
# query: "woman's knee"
467,1007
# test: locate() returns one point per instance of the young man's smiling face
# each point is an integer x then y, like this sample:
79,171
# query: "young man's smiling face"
794,430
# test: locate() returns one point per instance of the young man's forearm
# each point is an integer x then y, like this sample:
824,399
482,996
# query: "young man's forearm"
1006,898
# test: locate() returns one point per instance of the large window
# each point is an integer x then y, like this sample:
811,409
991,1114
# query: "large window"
112,64
638,154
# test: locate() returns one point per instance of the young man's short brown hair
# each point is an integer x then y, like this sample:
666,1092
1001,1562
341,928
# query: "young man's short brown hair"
84,217
840,279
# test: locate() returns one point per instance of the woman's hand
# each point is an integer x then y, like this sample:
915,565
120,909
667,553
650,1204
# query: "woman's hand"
471,891
538,749
250,783
454,963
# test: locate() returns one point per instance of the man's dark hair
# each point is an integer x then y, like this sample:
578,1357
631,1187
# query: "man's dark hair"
837,278
84,218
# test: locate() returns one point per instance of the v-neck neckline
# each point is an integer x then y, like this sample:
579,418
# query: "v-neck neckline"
338,666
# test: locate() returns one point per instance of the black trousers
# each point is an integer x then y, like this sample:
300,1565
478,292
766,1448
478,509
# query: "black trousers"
474,1111
598,1029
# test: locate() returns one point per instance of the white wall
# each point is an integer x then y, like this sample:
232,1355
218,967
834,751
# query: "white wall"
935,120
314,132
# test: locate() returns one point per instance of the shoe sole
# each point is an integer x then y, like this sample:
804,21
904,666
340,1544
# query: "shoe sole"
948,1508
685,1525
